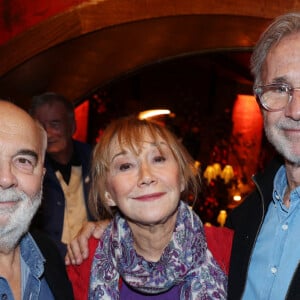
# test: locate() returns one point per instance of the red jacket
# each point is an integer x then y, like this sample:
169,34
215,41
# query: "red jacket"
219,241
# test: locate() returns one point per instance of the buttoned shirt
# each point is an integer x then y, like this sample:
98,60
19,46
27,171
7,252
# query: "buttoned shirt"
276,253
34,285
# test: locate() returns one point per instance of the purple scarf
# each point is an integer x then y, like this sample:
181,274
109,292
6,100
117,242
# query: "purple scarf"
185,261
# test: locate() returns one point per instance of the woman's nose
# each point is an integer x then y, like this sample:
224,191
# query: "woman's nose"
146,175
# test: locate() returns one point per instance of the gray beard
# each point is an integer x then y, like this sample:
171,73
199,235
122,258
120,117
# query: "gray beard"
282,144
18,218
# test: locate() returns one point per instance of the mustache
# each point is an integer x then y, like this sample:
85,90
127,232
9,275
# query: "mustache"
288,124
12,195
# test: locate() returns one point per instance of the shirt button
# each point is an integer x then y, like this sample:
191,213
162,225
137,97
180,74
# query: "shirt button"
285,226
4,297
273,270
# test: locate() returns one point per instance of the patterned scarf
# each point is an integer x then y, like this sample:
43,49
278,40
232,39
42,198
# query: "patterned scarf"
186,261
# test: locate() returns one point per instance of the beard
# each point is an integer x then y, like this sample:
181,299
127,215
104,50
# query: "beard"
18,217
287,146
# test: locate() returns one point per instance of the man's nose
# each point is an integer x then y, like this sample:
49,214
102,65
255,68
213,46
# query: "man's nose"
7,176
292,109
50,131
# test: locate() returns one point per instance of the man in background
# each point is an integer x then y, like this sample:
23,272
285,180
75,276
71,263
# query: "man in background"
66,184
30,264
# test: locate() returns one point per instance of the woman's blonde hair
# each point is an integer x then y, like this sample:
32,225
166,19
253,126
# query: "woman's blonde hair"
130,133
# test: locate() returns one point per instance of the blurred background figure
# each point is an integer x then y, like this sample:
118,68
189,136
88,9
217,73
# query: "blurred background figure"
66,183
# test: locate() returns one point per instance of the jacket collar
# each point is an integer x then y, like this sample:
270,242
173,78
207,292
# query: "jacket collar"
265,180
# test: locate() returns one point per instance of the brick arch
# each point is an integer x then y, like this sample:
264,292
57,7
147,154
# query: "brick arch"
87,43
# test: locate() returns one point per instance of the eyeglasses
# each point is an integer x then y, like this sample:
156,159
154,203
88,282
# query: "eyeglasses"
274,97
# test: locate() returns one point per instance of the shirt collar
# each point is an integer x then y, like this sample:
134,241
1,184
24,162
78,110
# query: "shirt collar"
32,255
280,185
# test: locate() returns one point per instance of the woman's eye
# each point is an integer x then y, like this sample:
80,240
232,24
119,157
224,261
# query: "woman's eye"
124,167
159,158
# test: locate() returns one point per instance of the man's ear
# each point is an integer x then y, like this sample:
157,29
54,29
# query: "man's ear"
109,200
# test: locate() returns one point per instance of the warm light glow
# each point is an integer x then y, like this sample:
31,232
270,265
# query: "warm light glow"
209,173
81,119
237,198
197,164
247,135
153,113
217,168
227,173
221,219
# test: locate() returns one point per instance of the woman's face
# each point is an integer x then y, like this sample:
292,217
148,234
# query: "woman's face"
145,187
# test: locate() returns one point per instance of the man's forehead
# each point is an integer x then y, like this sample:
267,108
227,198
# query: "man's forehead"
18,141
53,107
15,136
283,60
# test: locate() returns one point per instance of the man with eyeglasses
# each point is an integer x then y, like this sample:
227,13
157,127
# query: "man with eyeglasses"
265,259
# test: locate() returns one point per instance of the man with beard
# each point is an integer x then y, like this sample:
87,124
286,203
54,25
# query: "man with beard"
266,248
30,265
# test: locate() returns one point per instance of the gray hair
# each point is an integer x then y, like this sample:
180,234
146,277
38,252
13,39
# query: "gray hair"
50,98
281,27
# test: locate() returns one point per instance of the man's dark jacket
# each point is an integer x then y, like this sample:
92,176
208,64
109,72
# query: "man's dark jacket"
50,217
246,220
55,270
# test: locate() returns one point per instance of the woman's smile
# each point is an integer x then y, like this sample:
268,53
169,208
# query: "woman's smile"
149,197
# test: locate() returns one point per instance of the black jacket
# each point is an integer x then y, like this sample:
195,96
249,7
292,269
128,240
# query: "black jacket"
246,220
50,216
55,270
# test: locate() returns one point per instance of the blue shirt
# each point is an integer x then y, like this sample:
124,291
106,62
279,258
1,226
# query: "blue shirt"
34,285
277,249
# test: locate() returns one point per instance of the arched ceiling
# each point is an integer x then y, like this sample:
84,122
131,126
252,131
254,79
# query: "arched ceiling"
92,43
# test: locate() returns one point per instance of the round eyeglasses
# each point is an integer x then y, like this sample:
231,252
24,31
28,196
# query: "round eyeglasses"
274,97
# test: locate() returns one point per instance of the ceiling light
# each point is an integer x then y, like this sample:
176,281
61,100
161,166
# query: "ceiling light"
153,113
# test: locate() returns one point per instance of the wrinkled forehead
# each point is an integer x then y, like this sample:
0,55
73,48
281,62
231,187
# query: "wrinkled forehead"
19,130
283,60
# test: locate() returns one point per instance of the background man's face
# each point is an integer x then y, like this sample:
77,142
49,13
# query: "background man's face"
57,123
